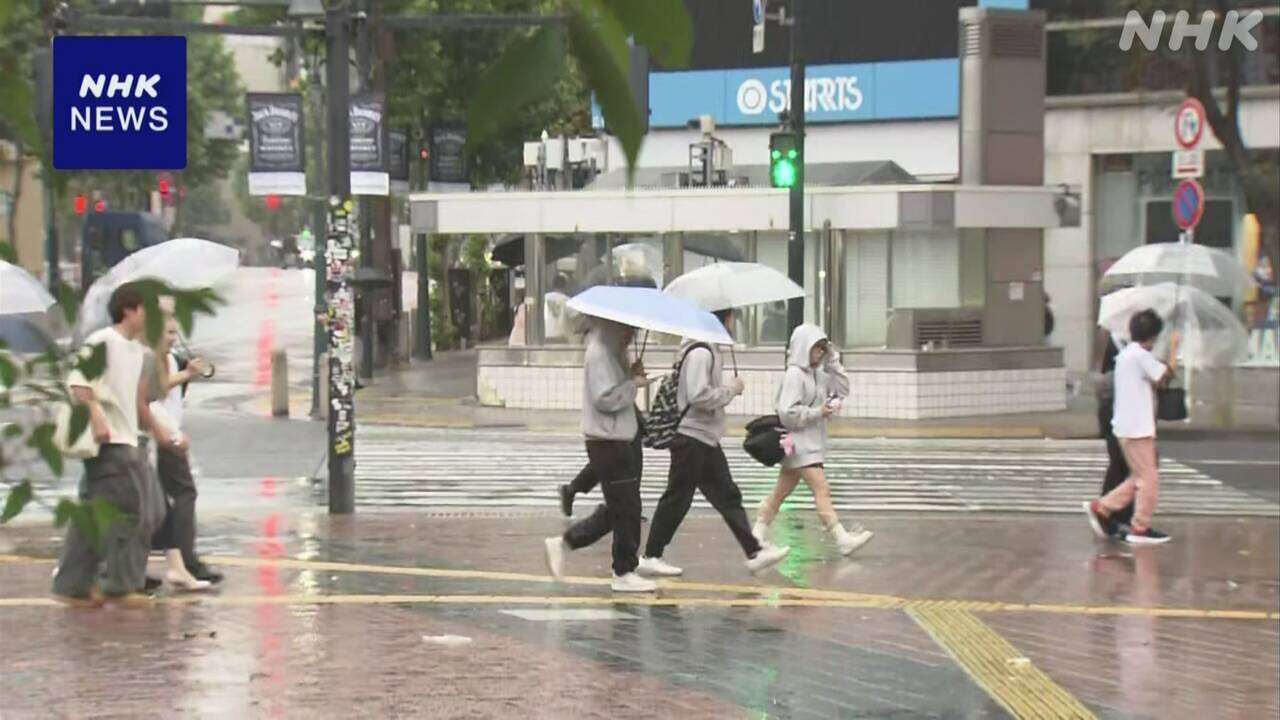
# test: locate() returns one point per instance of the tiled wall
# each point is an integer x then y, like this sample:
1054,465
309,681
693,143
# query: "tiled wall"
873,394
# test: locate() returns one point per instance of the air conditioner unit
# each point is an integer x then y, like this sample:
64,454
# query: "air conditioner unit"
937,328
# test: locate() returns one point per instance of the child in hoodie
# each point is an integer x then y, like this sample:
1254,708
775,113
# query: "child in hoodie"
812,390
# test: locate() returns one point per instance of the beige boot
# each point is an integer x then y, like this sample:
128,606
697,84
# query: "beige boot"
177,576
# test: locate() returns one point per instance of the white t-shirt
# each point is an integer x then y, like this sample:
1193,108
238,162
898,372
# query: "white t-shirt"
121,377
1135,410
173,403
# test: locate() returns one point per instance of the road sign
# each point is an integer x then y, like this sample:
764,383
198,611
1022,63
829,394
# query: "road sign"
1188,123
1188,163
757,27
1188,204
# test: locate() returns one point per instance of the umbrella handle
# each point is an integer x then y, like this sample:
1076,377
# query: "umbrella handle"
643,342
734,357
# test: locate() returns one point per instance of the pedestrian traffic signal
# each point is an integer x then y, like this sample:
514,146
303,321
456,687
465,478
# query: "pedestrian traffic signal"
784,159
81,204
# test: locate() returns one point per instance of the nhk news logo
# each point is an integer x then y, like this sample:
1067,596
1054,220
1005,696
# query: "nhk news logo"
1237,27
119,103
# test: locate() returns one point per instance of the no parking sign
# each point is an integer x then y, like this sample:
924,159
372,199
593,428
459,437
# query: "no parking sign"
1188,204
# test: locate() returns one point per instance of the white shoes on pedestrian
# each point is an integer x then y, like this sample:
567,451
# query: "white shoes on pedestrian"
847,541
657,567
633,583
555,556
177,577
768,556
761,531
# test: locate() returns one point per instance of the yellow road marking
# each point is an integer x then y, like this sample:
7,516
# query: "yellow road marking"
997,667
756,595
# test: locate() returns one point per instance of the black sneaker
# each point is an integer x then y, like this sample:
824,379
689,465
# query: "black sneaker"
566,500
204,572
1150,536
152,584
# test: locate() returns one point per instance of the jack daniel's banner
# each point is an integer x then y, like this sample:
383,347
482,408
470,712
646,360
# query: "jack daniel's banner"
277,164
369,146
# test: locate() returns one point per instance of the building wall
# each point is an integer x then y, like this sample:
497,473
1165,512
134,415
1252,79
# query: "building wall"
1076,130
28,242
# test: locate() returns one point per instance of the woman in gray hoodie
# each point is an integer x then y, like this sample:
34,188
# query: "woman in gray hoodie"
812,390
609,424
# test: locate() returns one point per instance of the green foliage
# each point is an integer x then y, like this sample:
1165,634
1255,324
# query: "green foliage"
443,334
19,497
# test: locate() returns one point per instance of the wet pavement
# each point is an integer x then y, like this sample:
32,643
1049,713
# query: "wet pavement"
939,617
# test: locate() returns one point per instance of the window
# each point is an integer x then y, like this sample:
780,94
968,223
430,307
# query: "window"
925,269
866,292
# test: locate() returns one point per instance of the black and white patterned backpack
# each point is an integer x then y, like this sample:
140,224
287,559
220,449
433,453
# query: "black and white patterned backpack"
664,414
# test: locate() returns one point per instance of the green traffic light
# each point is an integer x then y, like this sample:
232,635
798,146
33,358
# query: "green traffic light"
784,174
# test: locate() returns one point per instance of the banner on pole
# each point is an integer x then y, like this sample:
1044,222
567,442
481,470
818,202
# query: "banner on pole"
277,162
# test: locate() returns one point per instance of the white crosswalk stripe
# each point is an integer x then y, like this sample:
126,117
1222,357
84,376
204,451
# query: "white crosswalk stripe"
424,468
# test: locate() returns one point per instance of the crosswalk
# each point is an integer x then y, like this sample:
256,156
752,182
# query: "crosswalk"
413,467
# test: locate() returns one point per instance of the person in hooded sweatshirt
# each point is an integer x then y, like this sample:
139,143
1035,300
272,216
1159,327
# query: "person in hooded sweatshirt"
812,390
610,383
698,461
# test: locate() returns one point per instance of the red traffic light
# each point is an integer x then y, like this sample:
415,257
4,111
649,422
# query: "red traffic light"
81,204
272,201
100,206
163,186
423,154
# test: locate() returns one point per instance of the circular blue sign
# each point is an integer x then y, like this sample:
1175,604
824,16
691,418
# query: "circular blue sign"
1188,204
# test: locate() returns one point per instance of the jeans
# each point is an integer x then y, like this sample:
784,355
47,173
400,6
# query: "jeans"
617,469
698,466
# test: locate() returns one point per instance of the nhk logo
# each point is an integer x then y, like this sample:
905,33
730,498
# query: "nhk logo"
119,103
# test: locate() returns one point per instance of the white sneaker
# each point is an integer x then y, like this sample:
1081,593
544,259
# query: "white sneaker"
555,556
761,532
633,583
847,541
768,556
657,567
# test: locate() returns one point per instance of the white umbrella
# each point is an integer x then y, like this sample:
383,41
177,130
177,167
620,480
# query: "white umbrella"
1209,335
650,309
1210,269
725,285
182,263
20,292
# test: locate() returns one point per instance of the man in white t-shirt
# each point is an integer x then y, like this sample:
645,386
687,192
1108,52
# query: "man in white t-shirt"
117,411
1137,374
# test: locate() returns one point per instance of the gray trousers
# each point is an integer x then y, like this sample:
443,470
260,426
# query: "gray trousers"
151,512
115,476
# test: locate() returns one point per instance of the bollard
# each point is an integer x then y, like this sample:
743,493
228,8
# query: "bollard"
279,384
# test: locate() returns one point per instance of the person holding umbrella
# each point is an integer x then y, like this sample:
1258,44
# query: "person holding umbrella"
812,389
1137,374
610,425
698,462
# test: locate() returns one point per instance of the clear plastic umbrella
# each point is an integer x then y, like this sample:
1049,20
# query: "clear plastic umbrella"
21,292
1209,335
1210,269
182,263
649,309
725,285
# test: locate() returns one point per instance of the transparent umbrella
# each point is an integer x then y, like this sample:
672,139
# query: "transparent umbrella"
1210,269
1209,335
21,292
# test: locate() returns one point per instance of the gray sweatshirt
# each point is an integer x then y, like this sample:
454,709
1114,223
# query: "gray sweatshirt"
703,392
804,391
608,392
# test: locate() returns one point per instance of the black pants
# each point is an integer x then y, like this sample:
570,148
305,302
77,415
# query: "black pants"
586,479
179,528
616,466
698,466
1117,468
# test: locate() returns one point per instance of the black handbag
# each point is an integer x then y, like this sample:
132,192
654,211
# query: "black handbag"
1171,403
764,440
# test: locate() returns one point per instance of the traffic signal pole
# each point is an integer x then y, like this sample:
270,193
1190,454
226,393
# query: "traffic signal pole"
795,244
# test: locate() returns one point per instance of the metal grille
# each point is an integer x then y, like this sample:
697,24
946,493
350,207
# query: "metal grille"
1017,39
971,41
949,333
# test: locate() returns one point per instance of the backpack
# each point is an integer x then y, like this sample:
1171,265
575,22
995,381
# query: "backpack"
665,414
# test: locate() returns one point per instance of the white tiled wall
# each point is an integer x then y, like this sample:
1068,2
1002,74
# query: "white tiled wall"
873,394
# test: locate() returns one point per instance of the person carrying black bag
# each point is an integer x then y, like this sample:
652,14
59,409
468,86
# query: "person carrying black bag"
1117,468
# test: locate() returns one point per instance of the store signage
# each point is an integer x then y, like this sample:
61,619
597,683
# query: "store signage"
909,89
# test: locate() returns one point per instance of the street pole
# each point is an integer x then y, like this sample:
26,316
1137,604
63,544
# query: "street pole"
795,243
339,270
364,65
320,238
422,333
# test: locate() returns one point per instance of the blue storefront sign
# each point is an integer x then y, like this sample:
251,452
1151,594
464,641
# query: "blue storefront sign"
899,90
120,103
